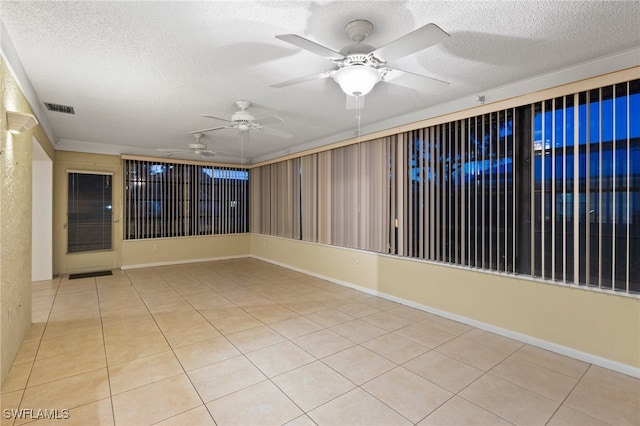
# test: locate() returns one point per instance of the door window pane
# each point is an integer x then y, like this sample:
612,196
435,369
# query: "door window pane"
89,212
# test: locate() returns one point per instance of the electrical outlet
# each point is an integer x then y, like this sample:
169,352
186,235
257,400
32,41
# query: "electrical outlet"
155,247
357,264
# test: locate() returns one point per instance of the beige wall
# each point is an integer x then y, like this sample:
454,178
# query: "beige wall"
182,250
15,221
587,324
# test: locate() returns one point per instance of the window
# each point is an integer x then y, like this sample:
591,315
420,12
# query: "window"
178,200
230,198
454,192
586,178
88,212
549,189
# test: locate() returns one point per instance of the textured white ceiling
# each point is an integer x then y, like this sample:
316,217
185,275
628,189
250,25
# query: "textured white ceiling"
140,74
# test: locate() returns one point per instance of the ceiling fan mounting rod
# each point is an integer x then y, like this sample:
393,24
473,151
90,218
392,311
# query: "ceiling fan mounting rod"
243,105
358,30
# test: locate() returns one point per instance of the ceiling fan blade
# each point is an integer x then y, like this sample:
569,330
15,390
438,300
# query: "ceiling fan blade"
414,81
311,46
209,129
355,103
217,118
208,153
304,79
275,132
172,150
412,42
268,120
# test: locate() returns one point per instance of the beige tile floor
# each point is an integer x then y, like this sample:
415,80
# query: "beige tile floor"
249,343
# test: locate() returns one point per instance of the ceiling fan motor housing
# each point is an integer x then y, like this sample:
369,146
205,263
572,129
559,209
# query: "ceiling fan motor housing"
197,146
242,116
242,119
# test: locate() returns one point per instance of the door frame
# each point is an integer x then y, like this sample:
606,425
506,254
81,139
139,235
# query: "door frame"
41,214
70,263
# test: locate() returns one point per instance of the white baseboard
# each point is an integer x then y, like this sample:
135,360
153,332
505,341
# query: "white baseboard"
533,341
180,262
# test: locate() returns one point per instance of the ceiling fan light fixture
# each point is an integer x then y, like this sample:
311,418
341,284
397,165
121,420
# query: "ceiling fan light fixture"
357,80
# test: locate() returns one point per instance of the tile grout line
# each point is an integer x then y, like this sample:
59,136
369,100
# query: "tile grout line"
106,360
24,389
573,388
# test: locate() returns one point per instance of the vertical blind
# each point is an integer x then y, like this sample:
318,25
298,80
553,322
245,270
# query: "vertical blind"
586,178
275,188
453,192
354,195
443,193
164,199
337,197
550,189
309,198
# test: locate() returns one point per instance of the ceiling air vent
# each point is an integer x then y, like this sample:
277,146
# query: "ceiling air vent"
59,108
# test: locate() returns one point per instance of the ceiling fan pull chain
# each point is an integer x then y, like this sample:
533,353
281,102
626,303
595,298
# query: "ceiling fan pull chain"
358,115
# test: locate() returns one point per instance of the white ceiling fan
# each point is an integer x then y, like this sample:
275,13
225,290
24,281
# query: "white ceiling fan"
197,148
243,121
360,66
